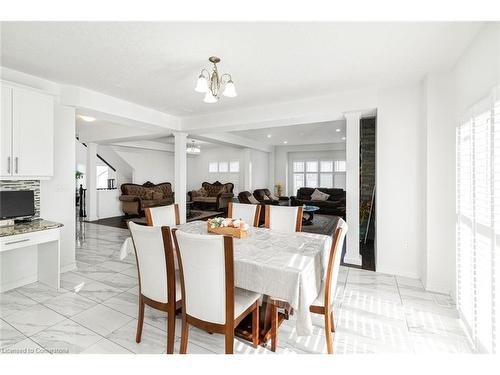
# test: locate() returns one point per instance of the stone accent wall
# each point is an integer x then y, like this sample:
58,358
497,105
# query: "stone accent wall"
13,185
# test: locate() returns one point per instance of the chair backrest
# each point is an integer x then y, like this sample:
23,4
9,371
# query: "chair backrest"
332,273
207,276
283,219
155,264
163,215
249,213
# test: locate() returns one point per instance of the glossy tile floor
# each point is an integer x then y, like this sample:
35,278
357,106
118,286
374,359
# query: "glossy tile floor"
96,310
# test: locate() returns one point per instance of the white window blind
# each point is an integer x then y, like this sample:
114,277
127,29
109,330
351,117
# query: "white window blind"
478,222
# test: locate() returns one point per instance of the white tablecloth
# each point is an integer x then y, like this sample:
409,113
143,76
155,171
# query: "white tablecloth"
287,266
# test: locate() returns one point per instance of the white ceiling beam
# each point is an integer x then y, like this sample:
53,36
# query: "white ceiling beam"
146,145
229,139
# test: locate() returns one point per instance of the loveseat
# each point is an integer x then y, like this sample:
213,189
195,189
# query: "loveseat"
334,205
264,196
135,198
215,196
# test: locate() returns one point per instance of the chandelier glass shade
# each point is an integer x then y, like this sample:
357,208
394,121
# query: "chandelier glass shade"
192,148
211,84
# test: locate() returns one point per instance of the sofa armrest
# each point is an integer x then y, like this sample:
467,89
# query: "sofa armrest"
223,199
129,198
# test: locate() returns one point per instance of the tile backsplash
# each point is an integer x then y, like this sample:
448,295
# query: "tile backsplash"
24,185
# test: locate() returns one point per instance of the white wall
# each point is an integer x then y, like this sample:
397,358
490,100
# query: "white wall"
148,165
448,95
400,181
260,170
57,195
197,167
283,155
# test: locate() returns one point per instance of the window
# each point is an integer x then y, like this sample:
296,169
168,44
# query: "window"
213,167
234,166
318,173
478,223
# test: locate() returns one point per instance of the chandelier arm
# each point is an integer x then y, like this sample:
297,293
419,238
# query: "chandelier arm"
205,71
225,74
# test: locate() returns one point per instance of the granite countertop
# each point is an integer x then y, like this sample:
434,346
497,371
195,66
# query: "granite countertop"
28,227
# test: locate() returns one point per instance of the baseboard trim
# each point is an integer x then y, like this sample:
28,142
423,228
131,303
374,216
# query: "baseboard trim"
390,271
353,260
18,283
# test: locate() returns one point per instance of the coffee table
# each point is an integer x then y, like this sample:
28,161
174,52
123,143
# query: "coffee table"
308,214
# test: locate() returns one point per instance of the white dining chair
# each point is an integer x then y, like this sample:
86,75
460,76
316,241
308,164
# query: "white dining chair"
163,215
249,213
323,304
209,299
159,285
283,219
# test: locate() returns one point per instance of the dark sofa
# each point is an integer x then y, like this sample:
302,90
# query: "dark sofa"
264,197
135,198
214,196
334,205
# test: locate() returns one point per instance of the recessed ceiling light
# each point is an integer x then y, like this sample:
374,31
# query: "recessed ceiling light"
87,118
285,142
269,136
337,130
343,138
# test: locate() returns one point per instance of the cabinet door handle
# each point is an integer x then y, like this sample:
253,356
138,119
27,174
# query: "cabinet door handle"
13,242
8,164
17,164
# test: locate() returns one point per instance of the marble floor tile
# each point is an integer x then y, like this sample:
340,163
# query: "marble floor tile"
69,304
40,292
101,319
120,281
66,337
73,281
12,302
104,346
26,346
9,335
116,266
94,272
132,272
98,291
153,341
429,343
126,303
34,319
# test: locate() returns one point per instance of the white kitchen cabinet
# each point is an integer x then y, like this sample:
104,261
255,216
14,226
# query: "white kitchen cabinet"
30,124
6,132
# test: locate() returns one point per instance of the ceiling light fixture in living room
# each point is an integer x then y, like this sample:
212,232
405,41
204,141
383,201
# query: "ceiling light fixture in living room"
211,84
192,148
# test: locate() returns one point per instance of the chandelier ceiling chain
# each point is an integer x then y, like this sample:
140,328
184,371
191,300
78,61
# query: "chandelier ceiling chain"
211,83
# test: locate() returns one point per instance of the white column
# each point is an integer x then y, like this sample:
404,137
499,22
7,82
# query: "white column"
271,167
180,183
91,172
247,170
352,255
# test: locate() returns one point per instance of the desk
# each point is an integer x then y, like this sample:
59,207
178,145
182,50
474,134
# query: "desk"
30,252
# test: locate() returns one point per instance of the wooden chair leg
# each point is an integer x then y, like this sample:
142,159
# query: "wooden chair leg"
170,330
184,336
140,320
274,328
328,333
255,325
229,340
332,322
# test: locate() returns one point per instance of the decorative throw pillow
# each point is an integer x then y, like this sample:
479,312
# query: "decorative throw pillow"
319,196
252,200
273,197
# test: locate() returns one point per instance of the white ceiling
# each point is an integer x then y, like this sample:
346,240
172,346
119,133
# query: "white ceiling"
156,64
305,134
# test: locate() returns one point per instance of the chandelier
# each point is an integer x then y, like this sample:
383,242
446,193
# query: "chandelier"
212,84
192,148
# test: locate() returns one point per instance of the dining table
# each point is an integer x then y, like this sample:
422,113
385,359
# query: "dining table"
288,267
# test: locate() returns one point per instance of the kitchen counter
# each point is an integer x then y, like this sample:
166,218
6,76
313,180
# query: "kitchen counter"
28,227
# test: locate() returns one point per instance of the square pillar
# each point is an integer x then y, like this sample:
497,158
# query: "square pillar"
91,180
247,170
352,255
180,183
